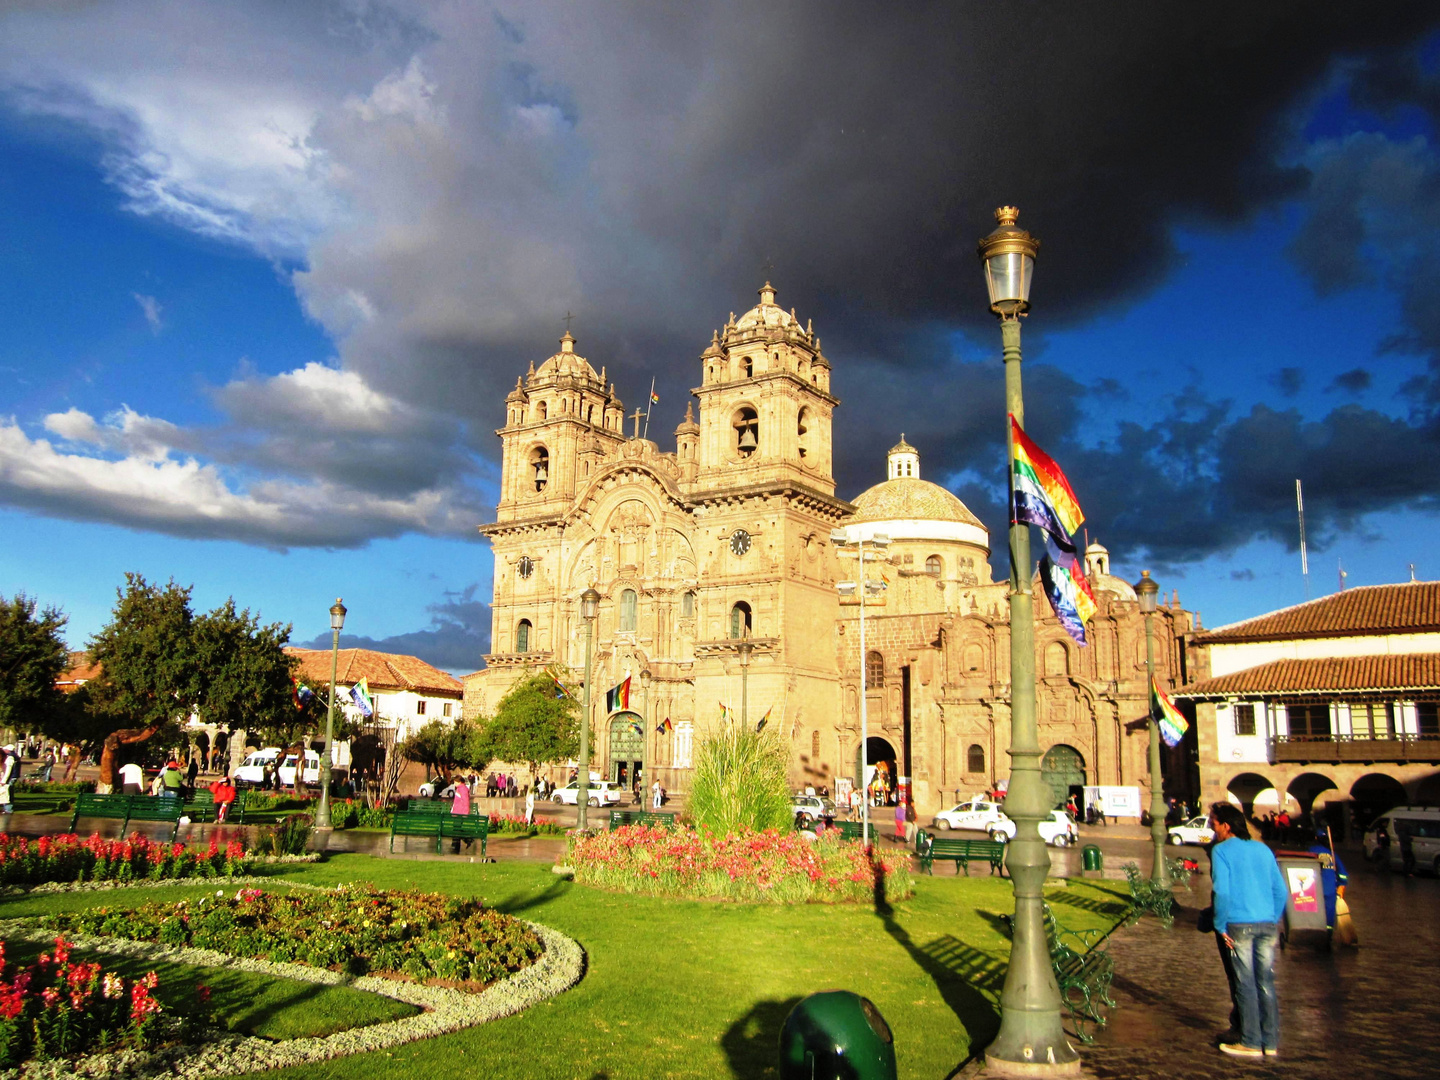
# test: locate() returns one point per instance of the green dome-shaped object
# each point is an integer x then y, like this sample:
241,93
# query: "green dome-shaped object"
836,1035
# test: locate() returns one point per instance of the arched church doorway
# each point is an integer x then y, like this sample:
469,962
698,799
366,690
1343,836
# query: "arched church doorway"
880,771
627,748
1063,768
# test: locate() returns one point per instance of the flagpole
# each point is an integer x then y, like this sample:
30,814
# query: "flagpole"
649,403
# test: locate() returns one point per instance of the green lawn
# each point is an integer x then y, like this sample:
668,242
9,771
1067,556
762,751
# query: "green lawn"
688,989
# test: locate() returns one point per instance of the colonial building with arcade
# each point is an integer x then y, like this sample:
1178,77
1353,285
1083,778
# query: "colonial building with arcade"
724,540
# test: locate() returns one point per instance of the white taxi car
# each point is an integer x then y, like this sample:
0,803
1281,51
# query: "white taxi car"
1194,831
602,793
985,816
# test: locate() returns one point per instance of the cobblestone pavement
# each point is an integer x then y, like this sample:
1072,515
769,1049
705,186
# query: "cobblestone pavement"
1371,1011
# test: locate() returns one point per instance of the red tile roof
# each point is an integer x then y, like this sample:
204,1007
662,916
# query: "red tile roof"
1337,674
1411,607
81,671
382,671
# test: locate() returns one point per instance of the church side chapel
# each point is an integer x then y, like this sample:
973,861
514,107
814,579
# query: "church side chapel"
725,539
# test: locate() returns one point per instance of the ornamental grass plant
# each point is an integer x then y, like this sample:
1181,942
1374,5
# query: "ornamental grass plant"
741,782
67,857
770,866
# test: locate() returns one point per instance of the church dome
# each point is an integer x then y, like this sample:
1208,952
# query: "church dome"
567,362
911,499
765,314
1097,569
905,507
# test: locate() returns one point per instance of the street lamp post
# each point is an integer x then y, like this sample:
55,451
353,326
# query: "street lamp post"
644,776
745,648
589,609
322,811
1031,1040
1146,589
859,588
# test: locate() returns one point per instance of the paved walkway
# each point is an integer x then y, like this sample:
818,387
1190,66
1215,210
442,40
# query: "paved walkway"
1354,1013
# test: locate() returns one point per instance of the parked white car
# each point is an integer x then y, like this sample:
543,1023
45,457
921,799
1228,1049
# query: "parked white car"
982,815
810,808
1194,831
602,793
978,814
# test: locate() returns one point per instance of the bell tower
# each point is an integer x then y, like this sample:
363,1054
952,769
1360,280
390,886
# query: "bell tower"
765,403
558,420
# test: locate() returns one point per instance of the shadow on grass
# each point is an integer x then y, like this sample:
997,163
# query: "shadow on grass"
969,980
521,902
1111,909
752,1043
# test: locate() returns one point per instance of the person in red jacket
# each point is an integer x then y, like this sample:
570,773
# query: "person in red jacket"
223,792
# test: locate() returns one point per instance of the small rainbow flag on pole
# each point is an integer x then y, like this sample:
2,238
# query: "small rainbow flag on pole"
1069,595
618,696
1172,724
1039,493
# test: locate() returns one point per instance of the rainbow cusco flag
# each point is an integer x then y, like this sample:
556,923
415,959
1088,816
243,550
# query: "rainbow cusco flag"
1039,493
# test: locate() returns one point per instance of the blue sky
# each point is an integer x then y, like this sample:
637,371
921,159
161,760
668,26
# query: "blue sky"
269,272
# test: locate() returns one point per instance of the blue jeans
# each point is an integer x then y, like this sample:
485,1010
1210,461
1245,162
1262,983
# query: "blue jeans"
1254,960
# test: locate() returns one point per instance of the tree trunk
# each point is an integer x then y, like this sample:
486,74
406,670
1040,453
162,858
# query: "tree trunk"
113,742
72,767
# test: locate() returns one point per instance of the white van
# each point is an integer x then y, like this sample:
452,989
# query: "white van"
1420,824
252,772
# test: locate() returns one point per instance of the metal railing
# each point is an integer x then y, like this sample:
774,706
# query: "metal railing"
1374,747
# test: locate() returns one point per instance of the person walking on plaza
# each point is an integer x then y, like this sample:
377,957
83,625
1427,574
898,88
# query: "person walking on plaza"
49,768
530,806
9,776
658,795
1099,807
1250,895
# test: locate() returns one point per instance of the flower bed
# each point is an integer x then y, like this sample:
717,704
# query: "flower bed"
358,930
66,857
59,1007
783,868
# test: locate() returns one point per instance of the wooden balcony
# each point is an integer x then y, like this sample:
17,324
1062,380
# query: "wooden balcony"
1355,748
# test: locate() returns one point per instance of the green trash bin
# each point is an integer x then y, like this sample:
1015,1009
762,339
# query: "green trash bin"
836,1035
1093,859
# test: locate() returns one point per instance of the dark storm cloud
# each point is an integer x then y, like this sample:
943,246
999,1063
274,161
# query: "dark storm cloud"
468,178
456,640
1288,380
1354,381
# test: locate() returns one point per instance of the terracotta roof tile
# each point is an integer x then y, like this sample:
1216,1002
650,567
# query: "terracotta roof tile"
81,670
1365,610
1349,674
382,671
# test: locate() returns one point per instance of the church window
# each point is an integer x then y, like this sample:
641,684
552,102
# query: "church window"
803,431
1057,659
522,636
975,758
974,657
933,566
687,606
541,410
628,603
748,366
540,465
747,431
740,620
874,670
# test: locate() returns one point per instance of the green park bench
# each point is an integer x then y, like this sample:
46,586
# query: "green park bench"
1084,971
201,809
851,830
406,823
466,828
653,818
1145,895
962,852
417,805
127,808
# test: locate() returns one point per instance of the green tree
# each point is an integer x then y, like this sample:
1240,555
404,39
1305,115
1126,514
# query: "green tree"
151,676
741,782
535,724
444,747
249,678
33,656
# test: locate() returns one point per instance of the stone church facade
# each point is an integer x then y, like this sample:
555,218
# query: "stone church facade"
727,538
